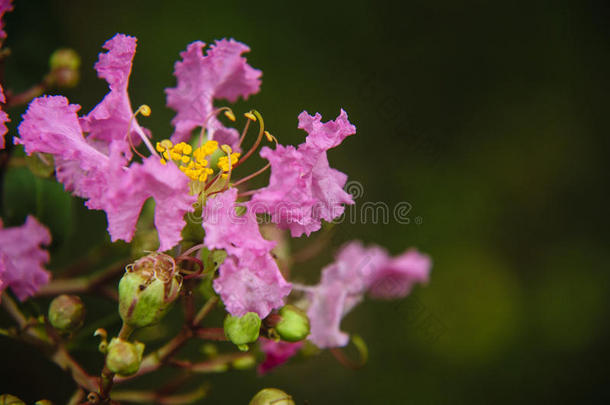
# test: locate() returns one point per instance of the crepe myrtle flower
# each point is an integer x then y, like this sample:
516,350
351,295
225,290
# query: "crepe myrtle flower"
22,258
93,155
357,271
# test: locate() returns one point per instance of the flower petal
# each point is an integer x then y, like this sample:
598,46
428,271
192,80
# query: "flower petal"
113,118
276,353
3,119
23,257
129,188
221,73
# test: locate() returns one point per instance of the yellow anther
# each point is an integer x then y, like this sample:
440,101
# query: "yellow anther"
163,161
250,116
185,159
269,137
210,147
223,162
226,149
229,114
144,110
183,148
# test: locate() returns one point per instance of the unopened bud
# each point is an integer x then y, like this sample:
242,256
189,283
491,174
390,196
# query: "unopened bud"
147,289
7,399
124,357
271,396
66,313
242,330
64,64
293,325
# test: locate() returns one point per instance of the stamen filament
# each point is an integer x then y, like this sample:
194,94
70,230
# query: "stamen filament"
209,117
248,193
244,132
145,111
261,132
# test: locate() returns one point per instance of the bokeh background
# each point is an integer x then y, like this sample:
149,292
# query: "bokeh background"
488,118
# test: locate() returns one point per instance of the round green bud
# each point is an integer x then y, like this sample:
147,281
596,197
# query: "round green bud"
147,289
124,357
7,399
64,58
293,325
64,64
242,330
271,396
66,313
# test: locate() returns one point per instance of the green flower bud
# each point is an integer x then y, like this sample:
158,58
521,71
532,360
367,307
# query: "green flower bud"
43,402
7,399
242,330
272,396
64,64
293,325
124,357
66,313
147,289
244,363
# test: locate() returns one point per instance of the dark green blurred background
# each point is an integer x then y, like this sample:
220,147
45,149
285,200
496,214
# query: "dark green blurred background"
488,118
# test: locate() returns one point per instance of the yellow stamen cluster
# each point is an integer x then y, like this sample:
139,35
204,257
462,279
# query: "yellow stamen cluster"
191,162
223,161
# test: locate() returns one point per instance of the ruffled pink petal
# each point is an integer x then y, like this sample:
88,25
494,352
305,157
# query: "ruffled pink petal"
355,266
111,119
5,6
326,309
50,125
325,135
225,229
251,283
303,189
221,73
3,119
396,277
129,188
276,353
23,257
249,280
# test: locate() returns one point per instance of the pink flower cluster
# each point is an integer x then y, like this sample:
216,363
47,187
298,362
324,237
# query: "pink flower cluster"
93,155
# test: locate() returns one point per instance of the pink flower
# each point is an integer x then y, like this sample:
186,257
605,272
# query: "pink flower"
249,280
221,73
5,6
276,353
22,258
112,119
359,270
303,189
51,125
3,119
